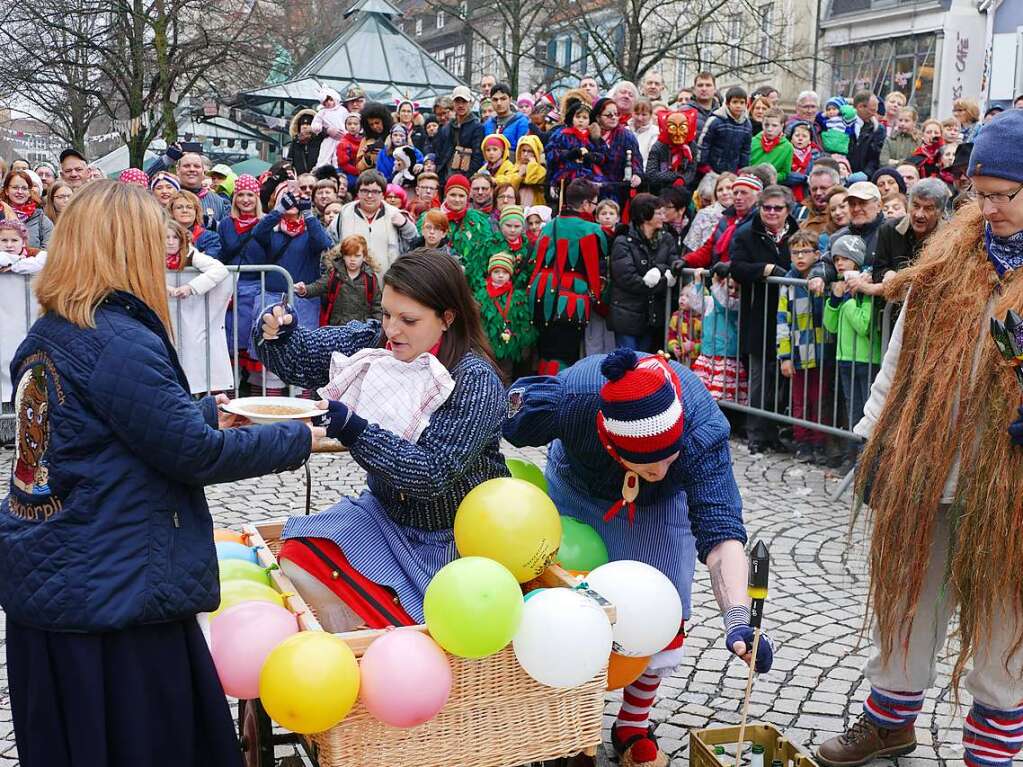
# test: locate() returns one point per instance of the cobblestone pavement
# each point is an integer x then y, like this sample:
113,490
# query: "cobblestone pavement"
815,614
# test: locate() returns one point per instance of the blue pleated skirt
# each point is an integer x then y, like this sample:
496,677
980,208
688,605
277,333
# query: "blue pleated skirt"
660,536
402,558
146,696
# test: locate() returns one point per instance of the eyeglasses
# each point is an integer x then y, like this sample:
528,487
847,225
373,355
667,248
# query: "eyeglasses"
998,199
427,189
802,252
305,187
774,208
13,188
370,192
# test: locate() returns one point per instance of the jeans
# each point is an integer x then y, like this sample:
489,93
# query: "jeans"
643,343
763,377
855,379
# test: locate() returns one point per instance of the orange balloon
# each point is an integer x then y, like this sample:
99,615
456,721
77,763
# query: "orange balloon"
222,534
623,670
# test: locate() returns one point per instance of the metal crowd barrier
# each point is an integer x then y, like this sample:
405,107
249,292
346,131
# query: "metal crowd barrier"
18,311
813,398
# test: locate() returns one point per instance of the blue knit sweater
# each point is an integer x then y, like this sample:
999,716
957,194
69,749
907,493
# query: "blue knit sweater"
419,484
545,409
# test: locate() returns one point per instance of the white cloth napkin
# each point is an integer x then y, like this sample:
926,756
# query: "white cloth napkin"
395,395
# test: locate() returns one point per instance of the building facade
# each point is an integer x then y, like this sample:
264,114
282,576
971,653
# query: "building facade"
1004,69
933,51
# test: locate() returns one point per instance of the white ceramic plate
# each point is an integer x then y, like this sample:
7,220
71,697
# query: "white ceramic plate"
250,407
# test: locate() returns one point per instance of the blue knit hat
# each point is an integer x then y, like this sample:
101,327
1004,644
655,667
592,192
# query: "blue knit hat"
992,155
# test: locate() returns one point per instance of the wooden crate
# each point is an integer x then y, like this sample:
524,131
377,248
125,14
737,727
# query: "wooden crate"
497,715
776,746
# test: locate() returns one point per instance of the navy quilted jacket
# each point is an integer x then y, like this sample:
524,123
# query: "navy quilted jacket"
106,524
724,144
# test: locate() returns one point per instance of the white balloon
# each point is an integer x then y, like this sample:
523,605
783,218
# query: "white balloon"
564,639
648,607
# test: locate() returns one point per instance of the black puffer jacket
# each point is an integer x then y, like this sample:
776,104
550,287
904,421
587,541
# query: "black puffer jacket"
637,309
659,174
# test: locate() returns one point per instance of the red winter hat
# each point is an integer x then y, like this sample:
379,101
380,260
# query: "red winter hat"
457,180
246,183
641,415
134,176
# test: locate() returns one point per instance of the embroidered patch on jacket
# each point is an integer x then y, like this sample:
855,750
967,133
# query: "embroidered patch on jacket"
31,473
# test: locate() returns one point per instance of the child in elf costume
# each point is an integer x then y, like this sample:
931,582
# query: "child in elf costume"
504,310
496,151
770,145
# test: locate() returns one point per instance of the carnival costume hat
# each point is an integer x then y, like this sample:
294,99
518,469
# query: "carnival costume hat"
501,261
641,417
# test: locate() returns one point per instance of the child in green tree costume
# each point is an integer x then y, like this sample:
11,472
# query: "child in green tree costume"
469,231
505,312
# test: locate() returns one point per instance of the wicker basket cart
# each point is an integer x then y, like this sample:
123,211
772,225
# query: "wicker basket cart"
496,716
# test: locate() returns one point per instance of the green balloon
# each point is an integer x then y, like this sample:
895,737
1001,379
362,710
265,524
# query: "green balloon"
239,570
528,471
582,548
473,607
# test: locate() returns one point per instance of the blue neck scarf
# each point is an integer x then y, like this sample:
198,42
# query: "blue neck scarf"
1005,253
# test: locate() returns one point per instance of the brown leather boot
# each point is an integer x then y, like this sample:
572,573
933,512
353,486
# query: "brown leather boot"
863,742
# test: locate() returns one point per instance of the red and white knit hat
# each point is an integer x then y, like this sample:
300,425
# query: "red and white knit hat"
641,416
134,176
750,182
246,183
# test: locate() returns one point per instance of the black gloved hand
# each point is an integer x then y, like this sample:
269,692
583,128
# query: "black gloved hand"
174,152
304,205
343,424
575,154
720,269
286,202
677,266
779,271
1016,429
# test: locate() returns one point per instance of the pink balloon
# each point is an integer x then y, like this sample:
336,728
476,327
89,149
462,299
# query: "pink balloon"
406,678
242,637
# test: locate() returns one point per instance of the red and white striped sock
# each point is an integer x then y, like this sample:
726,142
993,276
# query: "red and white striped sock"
634,716
992,737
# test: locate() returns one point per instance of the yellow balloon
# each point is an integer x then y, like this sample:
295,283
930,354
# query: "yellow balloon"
309,682
510,521
235,592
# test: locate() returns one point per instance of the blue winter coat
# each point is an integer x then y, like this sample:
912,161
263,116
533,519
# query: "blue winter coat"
300,255
240,249
106,525
725,142
385,163
208,243
516,127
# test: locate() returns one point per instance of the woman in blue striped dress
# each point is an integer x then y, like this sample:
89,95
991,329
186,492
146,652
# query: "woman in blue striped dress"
639,451
378,552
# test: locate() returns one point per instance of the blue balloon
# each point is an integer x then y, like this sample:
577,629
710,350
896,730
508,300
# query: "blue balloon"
233,550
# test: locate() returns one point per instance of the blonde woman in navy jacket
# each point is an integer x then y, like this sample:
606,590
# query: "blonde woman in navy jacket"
106,541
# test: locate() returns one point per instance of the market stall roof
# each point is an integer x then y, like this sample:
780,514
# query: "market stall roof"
372,53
